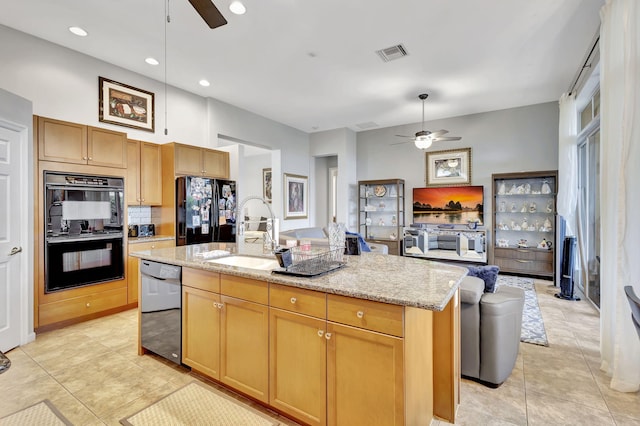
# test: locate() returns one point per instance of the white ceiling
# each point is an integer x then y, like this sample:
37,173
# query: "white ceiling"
311,64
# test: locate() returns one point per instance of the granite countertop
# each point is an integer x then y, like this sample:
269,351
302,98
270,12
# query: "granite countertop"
384,278
135,240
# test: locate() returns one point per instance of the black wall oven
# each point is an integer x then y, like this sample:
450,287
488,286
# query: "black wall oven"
82,261
84,230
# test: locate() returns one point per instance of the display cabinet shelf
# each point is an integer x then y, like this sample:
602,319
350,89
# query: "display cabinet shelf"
524,222
381,212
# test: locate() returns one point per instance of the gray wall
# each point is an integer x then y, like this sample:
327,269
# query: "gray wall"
512,140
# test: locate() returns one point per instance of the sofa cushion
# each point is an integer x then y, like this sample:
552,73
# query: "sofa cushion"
488,274
471,290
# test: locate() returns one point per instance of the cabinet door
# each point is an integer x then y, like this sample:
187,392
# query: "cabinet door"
62,141
188,160
106,148
244,361
298,359
150,174
215,163
201,331
365,377
133,173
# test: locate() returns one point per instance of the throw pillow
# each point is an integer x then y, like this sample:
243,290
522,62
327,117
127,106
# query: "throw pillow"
263,224
488,274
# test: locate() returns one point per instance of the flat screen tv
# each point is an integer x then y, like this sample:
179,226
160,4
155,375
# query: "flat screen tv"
448,205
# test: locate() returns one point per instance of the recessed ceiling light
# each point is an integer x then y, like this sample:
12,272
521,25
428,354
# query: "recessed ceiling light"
204,83
152,61
78,31
237,8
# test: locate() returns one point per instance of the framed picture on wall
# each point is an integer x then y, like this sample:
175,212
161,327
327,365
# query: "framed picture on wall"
295,196
125,105
449,168
266,184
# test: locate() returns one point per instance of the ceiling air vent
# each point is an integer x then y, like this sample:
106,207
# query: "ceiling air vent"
393,52
367,125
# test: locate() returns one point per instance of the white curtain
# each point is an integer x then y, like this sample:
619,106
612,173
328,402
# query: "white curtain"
568,162
620,180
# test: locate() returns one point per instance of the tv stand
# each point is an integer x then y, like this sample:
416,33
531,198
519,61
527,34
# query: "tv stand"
458,243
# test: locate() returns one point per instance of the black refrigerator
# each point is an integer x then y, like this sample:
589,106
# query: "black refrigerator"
205,210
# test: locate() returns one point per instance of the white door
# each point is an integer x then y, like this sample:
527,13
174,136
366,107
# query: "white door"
10,228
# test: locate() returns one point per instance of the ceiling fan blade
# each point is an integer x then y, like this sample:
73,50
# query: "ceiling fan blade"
403,136
439,132
401,143
447,138
209,13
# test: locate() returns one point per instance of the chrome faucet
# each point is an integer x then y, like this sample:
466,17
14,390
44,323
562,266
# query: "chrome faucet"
270,234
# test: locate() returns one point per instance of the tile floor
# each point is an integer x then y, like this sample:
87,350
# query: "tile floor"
92,373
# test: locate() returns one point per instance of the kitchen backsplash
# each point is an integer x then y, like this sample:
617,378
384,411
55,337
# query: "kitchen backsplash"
143,215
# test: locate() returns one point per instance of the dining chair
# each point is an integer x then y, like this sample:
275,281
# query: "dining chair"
634,302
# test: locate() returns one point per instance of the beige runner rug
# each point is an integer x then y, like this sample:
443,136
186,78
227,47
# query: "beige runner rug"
41,413
195,404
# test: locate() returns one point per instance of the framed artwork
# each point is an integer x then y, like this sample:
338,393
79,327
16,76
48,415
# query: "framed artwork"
449,168
266,184
295,196
125,105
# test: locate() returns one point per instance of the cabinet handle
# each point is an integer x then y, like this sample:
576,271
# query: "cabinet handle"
327,336
90,158
524,261
153,246
84,158
523,251
320,333
293,300
88,305
359,314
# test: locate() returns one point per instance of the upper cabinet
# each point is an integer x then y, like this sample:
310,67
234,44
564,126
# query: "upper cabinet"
67,142
144,174
196,161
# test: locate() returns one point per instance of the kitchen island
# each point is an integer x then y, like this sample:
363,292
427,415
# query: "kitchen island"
375,342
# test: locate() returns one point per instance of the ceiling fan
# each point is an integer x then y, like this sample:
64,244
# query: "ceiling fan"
424,138
209,13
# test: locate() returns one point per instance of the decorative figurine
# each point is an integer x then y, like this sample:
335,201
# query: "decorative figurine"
502,207
513,208
524,207
546,189
527,189
550,206
525,224
512,190
501,188
532,207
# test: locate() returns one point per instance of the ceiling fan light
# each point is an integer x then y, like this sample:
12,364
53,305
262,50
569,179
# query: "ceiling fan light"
237,8
423,142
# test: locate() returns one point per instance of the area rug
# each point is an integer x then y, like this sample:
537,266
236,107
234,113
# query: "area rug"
532,324
195,404
40,413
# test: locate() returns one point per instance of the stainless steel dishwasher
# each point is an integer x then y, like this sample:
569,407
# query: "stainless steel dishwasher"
161,306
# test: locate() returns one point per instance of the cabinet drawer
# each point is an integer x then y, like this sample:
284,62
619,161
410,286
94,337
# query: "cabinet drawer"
84,305
365,314
525,254
244,288
533,267
150,245
204,280
298,300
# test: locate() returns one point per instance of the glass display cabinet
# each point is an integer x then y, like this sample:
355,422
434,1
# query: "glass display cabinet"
381,212
524,222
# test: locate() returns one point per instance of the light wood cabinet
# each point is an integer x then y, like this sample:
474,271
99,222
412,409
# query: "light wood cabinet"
196,161
133,264
365,377
225,337
144,174
298,366
82,306
201,312
67,142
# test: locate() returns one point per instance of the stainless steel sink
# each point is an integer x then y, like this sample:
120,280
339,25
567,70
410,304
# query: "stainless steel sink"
249,262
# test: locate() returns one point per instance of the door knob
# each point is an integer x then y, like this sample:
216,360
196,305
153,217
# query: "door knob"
15,250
